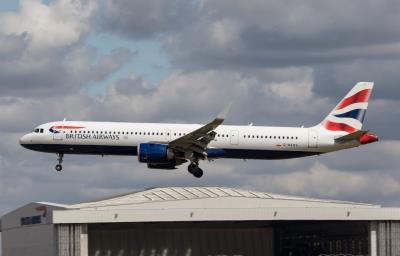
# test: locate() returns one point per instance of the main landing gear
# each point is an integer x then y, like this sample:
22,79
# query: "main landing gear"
194,169
60,160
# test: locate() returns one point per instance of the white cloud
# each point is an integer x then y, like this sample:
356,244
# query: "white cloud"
59,24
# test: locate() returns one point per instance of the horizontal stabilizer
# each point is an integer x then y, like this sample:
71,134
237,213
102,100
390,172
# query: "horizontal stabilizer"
352,136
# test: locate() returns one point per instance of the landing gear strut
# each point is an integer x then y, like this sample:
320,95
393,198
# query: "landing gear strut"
194,169
60,160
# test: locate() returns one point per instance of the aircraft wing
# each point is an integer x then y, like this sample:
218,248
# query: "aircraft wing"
197,140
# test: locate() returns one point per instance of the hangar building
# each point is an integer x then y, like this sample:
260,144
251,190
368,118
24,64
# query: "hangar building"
201,221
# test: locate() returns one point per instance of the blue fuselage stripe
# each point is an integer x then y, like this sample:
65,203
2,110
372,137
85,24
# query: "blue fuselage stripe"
132,151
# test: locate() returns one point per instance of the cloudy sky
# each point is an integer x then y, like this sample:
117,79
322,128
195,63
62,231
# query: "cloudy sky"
282,63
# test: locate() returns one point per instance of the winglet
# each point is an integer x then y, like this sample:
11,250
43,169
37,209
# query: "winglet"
224,112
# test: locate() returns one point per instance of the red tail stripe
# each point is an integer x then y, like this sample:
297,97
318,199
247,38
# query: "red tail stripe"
359,97
339,127
67,127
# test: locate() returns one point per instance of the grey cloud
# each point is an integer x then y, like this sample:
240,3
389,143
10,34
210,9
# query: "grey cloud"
12,46
333,79
110,63
146,19
231,34
56,72
134,85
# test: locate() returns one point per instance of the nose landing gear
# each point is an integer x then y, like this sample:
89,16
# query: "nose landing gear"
60,160
195,170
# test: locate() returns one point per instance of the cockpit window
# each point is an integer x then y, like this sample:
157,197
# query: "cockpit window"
38,130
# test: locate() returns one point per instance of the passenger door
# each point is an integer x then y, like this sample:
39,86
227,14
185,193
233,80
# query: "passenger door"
312,138
234,138
58,135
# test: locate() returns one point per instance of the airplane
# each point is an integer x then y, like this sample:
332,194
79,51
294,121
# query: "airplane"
166,146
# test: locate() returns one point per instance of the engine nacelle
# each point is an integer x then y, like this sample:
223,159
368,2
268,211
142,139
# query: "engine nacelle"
164,166
155,154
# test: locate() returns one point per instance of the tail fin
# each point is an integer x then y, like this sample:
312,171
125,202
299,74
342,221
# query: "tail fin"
348,115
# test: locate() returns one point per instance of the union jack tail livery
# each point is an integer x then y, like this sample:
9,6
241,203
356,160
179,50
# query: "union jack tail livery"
348,115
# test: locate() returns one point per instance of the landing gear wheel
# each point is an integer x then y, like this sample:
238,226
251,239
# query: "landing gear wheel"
191,168
195,170
198,173
60,157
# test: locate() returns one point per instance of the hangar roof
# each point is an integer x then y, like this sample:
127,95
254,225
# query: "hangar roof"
198,204
178,195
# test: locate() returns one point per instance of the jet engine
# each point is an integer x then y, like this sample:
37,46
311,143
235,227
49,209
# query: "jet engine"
157,156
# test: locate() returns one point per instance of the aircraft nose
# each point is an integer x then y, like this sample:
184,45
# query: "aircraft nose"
25,140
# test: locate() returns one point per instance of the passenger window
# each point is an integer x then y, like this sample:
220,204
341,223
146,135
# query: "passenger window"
41,130
253,136
161,134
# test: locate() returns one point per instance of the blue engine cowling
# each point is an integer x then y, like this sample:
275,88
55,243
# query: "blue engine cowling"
155,154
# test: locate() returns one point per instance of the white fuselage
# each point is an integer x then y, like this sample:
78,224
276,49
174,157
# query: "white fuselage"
243,142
